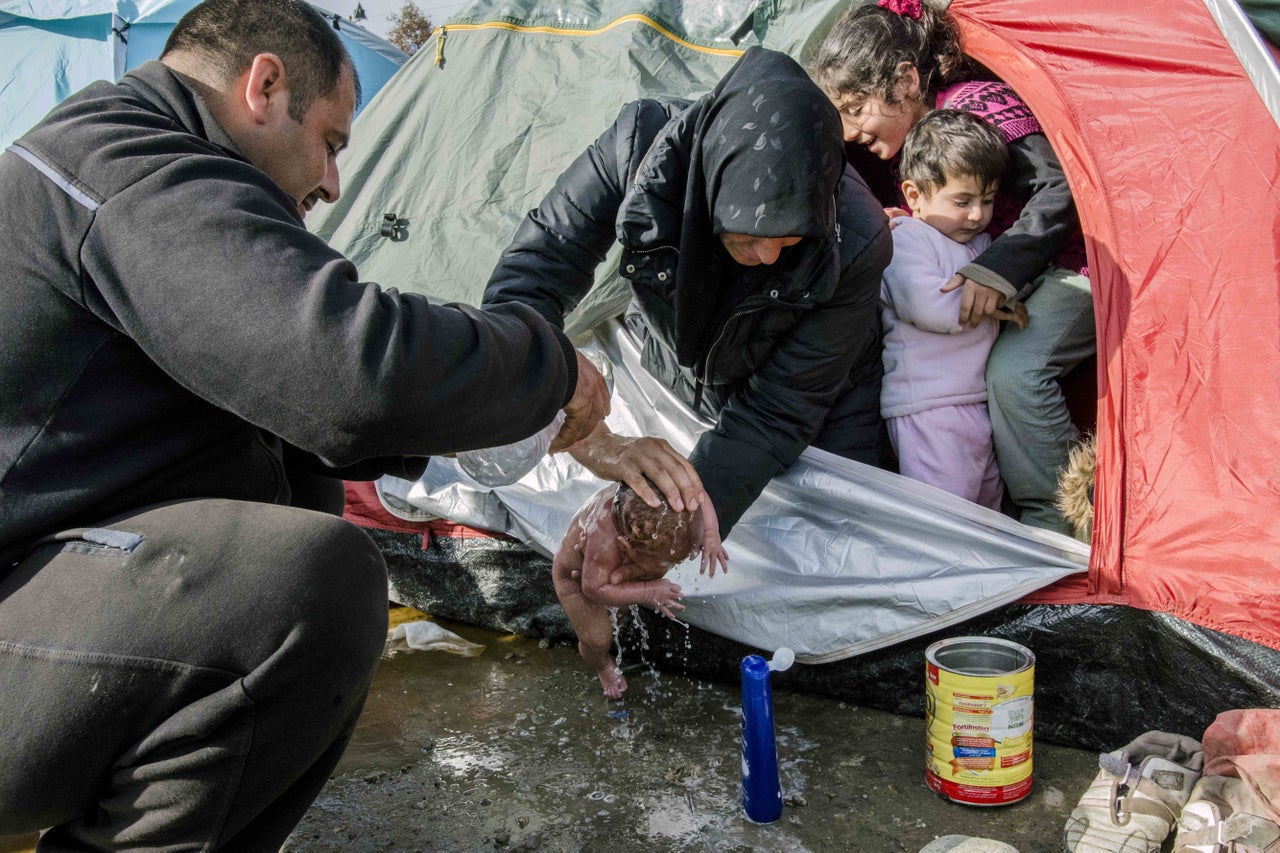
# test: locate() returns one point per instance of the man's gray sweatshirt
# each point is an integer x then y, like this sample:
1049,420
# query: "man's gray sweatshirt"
170,330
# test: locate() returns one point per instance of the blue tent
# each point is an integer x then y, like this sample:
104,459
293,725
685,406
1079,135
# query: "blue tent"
51,48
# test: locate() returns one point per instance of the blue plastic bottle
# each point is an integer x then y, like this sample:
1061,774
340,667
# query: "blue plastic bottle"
761,785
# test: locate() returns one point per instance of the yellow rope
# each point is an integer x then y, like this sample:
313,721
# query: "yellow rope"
636,18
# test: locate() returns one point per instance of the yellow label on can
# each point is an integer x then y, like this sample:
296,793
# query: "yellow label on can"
978,744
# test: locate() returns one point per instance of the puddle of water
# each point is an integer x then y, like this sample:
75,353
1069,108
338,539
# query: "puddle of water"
517,750
522,725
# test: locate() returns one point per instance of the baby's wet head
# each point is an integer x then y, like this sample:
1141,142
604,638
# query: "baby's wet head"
659,531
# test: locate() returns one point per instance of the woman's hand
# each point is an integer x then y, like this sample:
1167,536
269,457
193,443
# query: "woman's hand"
630,460
713,552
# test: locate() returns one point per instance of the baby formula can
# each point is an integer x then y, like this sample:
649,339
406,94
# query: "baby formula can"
978,720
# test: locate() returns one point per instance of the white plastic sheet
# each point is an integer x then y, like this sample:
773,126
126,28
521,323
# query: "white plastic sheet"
424,636
835,558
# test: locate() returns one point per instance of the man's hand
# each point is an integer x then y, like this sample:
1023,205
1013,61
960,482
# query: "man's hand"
586,410
977,302
631,460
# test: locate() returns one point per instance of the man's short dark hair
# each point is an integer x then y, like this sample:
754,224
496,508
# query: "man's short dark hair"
952,144
228,34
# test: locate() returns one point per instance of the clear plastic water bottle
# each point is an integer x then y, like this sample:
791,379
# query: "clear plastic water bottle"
504,465
604,365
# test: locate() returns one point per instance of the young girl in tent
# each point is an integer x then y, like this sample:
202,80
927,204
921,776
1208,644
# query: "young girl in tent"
885,66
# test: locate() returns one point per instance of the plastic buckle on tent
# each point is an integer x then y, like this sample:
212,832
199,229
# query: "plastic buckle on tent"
390,226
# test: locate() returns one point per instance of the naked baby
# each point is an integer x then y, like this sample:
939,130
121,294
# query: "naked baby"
615,554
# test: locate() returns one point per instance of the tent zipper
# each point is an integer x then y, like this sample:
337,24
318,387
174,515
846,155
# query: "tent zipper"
444,31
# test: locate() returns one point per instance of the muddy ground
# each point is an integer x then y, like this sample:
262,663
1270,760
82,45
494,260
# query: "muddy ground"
517,750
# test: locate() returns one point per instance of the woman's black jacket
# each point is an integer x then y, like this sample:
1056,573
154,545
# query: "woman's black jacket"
785,342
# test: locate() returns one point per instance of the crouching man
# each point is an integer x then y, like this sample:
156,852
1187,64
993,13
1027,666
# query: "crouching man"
187,630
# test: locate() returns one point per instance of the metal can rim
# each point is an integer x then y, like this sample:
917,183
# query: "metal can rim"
1028,656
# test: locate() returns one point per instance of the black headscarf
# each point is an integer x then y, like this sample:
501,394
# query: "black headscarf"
767,151
761,154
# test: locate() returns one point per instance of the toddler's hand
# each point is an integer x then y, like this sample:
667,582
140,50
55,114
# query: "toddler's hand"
893,213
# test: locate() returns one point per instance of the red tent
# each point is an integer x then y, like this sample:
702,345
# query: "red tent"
1172,150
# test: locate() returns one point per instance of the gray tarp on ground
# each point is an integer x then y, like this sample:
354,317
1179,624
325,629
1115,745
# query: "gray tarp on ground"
835,558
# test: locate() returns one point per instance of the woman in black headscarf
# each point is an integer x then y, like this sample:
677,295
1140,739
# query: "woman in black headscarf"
754,257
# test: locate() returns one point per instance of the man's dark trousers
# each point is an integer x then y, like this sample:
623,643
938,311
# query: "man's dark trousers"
185,676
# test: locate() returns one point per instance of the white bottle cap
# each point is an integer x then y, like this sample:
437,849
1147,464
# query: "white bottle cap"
782,659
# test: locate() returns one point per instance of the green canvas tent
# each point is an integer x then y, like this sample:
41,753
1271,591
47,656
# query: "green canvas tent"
464,143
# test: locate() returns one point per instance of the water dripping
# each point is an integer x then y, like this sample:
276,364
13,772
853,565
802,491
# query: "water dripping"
617,635
642,632
686,647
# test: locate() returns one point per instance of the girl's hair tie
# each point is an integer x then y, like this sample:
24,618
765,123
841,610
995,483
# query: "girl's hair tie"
907,8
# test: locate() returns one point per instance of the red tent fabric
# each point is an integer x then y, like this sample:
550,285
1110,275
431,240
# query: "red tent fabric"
1173,156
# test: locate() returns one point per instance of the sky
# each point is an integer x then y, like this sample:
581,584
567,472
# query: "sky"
378,11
